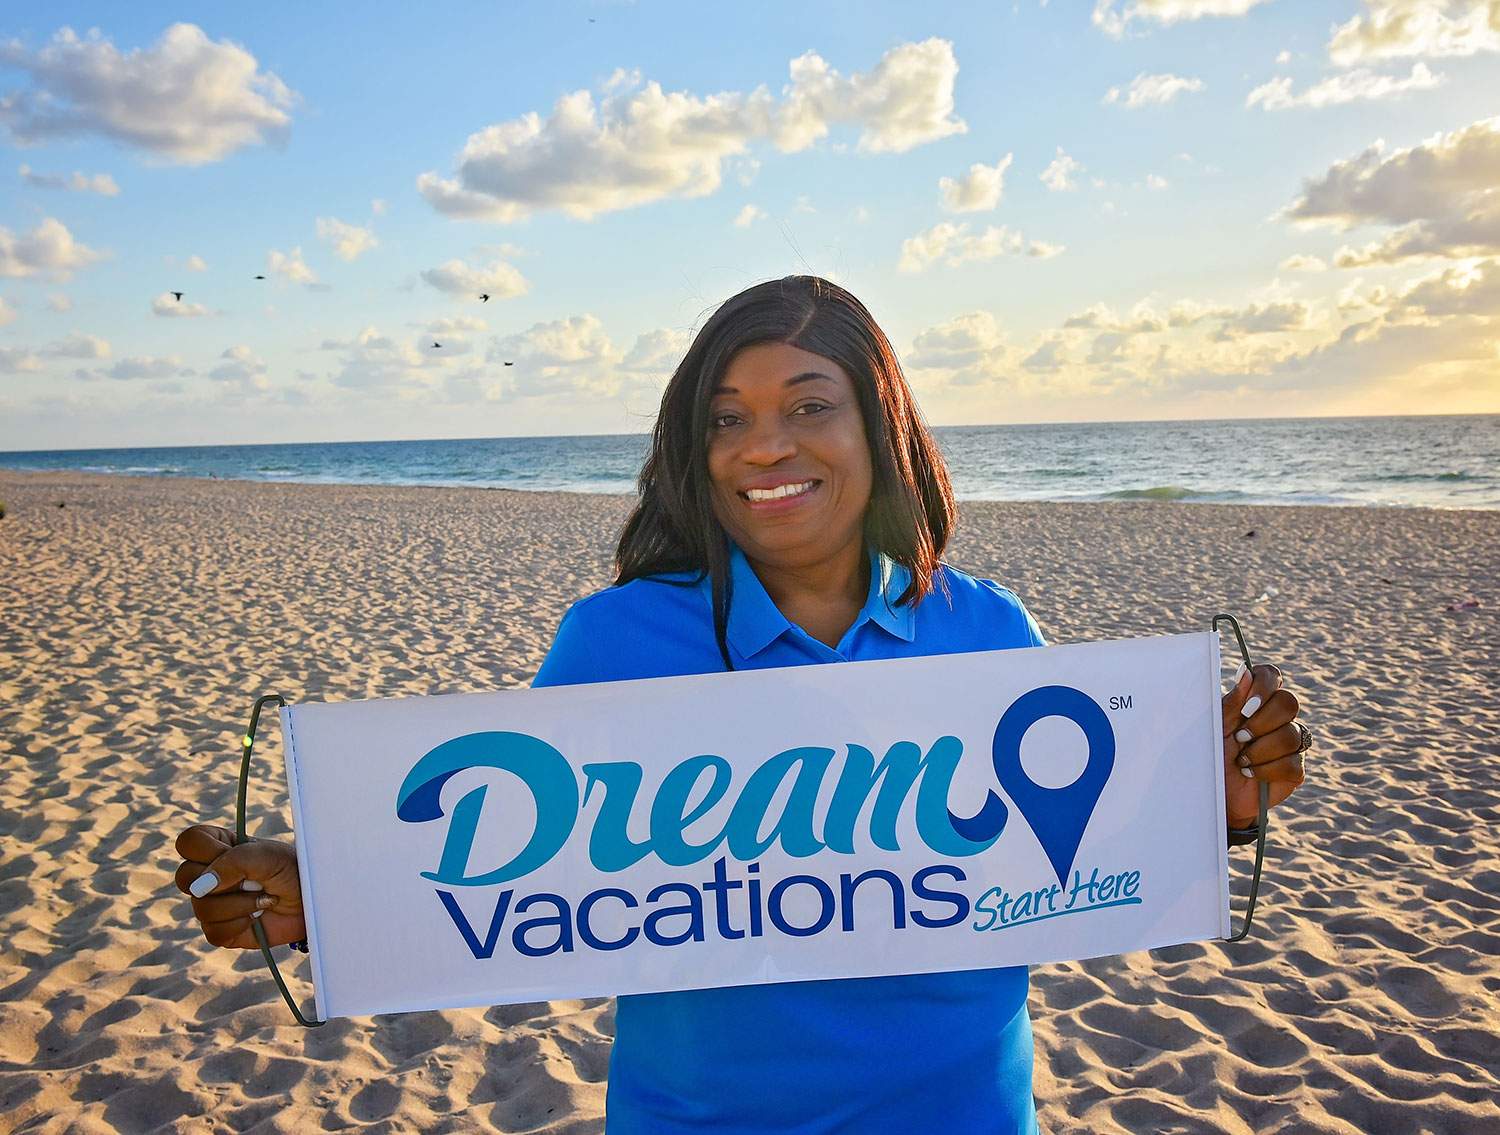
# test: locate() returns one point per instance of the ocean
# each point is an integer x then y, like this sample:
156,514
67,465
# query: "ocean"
1430,462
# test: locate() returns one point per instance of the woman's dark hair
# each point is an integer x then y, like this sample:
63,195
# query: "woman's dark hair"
911,511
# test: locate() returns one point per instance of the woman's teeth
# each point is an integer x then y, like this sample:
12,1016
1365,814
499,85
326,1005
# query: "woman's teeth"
779,492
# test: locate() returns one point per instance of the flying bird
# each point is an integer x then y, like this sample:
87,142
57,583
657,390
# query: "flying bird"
260,277
177,296
485,297
510,364
435,343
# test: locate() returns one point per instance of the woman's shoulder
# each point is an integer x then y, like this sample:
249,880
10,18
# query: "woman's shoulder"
986,602
643,596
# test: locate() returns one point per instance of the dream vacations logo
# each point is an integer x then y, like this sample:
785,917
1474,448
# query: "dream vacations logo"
740,900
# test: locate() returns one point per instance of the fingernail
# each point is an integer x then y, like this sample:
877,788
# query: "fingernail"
265,901
1247,772
1240,673
1242,760
1251,706
1244,737
203,884
256,913
251,885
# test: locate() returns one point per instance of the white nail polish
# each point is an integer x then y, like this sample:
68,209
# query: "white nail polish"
1251,706
256,913
203,884
1247,772
1238,674
251,885
1244,737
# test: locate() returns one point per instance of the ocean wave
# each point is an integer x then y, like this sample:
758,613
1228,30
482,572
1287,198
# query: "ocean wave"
1459,475
1156,493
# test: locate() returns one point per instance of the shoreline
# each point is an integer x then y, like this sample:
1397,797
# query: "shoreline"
66,476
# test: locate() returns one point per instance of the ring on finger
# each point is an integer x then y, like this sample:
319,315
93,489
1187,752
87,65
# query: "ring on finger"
1306,737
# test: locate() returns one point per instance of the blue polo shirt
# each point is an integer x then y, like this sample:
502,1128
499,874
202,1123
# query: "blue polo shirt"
948,1052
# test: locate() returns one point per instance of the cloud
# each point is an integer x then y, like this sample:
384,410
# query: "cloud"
658,351
748,216
59,302
1301,263
186,100
100,183
240,366
1116,23
18,360
1393,29
954,244
1156,181
290,266
572,356
1058,176
348,241
7,313
977,191
638,146
455,325
498,279
1441,193
146,366
1353,86
49,249
1152,90
1264,319
965,342
169,306
78,346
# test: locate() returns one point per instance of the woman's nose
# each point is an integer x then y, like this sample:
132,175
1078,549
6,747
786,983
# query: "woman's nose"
767,441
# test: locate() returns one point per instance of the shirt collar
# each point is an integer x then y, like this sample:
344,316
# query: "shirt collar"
755,621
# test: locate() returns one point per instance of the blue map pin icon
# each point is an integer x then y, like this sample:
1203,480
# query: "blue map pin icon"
1058,816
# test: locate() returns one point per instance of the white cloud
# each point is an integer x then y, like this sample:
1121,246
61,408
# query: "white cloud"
195,264
1352,86
978,190
7,313
1264,319
499,280
1152,90
953,244
1058,176
146,366
1441,193
1392,29
1117,23
572,356
748,216
49,249
100,183
78,346
1283,58
348,241
187,99
59,302
169,306
658,351
1301,263
18,360
290,266
456,325
639,146
1156,181
240,366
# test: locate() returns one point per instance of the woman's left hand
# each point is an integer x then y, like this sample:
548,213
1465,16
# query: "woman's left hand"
1262,742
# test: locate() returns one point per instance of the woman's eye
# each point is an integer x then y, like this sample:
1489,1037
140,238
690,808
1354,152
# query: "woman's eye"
818,406
717,420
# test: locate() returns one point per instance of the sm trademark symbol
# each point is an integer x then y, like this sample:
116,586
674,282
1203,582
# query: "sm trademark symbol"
1120,701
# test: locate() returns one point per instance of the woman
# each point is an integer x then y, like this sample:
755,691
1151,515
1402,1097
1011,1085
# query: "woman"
793,510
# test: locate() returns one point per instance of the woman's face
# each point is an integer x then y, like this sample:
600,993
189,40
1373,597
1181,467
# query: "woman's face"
783,416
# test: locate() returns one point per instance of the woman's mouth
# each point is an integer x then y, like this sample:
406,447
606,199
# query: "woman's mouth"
784,498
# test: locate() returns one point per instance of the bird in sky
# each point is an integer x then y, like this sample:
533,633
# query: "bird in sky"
484,296
177,296
510,364
435,343
260,277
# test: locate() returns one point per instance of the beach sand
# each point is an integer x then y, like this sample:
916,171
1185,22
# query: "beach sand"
138,622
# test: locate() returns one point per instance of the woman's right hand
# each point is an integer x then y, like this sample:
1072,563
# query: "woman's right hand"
229,884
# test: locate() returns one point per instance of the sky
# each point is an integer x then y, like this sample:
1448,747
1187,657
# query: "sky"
1075,210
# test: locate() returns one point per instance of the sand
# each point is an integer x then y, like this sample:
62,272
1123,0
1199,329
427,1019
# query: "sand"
138,622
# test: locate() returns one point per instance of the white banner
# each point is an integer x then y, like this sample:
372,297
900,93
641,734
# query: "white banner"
867,818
